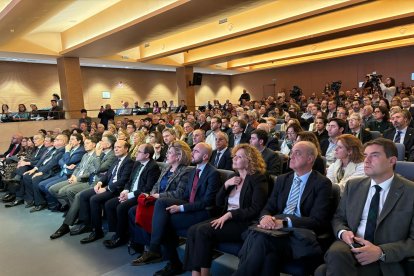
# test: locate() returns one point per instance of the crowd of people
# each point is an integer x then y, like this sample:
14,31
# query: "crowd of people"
311,145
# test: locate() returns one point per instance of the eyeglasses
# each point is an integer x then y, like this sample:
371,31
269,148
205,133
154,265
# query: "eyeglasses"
296,154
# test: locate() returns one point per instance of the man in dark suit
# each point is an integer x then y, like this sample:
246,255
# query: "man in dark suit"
320,129
374,222
238,136
221,156
171,215
300,199
272,143
356,129
144,175
406,104
181,108
56,112
335,128
106,114
258,139
47,167
202,123
402,133
110,186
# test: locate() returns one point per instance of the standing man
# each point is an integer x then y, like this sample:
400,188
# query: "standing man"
106,114
244,97
374,222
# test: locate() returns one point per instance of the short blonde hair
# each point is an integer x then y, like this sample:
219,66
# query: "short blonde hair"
183,151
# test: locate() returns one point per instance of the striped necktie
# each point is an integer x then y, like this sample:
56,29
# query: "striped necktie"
293,198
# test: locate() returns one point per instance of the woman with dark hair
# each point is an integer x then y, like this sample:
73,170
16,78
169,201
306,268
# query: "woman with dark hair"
381,122
242,197
388,89
5,113
349,160
385,103
21,114
290,138
155,107
164,107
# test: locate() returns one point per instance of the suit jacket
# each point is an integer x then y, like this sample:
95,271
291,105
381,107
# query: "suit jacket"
207,187
252,199
322,136
34,159
11,148
51,167
314,203
273,143
106,162
408,139
244,139
89,165
205,127
363,135
249,129
226,162
395,226
69,159
273,162
105,116
180,175
181,109
189,139
147,179
123,175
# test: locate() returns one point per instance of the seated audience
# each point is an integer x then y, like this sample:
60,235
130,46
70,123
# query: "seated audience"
335,128
258,139
221,156
381,120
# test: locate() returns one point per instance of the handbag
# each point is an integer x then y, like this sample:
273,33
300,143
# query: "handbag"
144,212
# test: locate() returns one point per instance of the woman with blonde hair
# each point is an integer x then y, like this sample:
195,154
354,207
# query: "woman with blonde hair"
349,160
138,139
123,135
242,197
112,129
179,131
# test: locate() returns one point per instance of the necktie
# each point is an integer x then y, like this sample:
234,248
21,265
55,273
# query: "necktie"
115,172
194,187
217,159
12,151
136,178
397,137
372,215
294,197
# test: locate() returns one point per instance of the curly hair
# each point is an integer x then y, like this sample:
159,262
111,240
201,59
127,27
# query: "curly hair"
256,161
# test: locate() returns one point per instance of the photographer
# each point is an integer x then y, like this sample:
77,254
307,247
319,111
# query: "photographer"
388,89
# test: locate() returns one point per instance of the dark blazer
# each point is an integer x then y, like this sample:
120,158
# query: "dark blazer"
34,159
249,129
273,143
181,109
314,202
107,161
123,175
245,138
205,127
105,116
324,146
56,113
52,166
147,179
226,162
395,227
364,136
322,136
253,197
408,139
207,188
68,159
180,175
10,149
273,162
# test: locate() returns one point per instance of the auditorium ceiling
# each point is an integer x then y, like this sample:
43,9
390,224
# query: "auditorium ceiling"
213,36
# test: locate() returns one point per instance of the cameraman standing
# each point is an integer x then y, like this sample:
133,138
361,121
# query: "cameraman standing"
388,89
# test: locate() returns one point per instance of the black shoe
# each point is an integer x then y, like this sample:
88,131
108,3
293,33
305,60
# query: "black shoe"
147,258
170,270
94,236
64,208
14,203
80,229
29,204
38,208
8,198
113,243
63,230
135,248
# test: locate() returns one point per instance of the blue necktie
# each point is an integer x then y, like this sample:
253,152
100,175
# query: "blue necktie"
294,197
397,137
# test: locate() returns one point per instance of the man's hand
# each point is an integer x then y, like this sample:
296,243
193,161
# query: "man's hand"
368,253
269,222
173,209
37,174
71,166
97,186
101,190
123,196
30,172
348,237
73,179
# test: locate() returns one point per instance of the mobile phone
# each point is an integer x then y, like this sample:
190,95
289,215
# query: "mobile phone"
355,245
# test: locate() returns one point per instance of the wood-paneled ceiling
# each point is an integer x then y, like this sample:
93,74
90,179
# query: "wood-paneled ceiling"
221,36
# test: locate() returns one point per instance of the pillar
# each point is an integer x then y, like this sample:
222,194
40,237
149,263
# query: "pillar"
185,90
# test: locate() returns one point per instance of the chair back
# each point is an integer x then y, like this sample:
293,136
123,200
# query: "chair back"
401,151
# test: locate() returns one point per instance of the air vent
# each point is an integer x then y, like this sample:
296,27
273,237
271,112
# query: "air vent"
222,21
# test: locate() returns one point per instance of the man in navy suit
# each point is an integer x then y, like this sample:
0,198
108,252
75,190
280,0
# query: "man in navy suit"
221,156
402,132
300,199
174,215
144,175
110,186
47,166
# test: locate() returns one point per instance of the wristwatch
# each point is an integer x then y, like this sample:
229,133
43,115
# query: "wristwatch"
285,223
382,257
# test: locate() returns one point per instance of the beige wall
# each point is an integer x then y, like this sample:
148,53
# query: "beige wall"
311,77
213,87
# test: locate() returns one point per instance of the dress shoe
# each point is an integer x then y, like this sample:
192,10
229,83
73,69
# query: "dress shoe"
29,204
8,198
80,229
147,258
15,203
135,248
63,230
113,243
38,208
94,236
170,270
